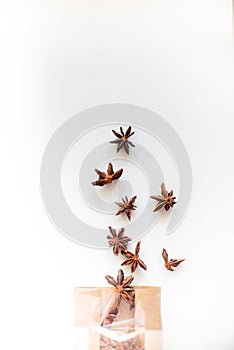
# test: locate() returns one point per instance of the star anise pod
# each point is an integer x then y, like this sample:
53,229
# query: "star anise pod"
105,343
112,311
122,139
118,241
166,200
170,263
123,291
126,206
110,344
131,345
108,178
134,259
122,286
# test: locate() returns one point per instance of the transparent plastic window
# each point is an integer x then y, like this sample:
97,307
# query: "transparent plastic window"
105,321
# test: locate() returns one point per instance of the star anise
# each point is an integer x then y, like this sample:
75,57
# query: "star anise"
123,291
166,200
122,139
122,286
126,206
112,311
118,241
172,262
134,259
108,178
110,344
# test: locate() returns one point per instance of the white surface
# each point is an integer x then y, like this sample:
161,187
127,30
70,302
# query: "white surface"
59,57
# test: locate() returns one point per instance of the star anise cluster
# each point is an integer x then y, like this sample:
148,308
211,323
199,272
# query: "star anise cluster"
165,200
126,206
170,263
118,241
122,140
108,178
110,344
123,290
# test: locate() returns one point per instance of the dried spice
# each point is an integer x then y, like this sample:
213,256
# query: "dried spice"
112,311
110,344
123,139
126,206
118,241
123,291
170,263
134,259
108,178
122,286
166,200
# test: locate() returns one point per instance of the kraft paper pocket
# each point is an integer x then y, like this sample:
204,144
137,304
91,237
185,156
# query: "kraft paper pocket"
139,328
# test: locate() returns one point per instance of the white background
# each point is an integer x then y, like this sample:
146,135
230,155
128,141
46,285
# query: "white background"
59,57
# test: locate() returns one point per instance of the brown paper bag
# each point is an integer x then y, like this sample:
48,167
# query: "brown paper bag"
136,329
